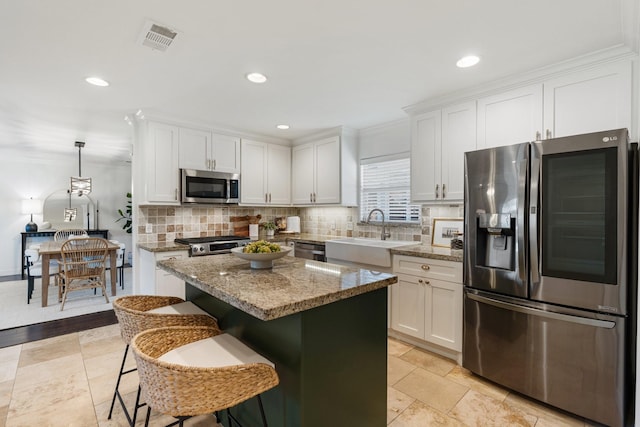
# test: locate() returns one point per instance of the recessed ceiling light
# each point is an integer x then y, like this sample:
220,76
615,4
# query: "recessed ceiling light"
256,77
283,127
97,81
468,61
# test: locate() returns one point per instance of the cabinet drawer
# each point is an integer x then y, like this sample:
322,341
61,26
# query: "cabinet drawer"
425,267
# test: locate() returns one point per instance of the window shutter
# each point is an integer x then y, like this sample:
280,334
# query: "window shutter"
386,184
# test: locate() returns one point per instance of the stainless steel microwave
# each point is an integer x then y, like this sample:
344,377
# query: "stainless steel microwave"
198,186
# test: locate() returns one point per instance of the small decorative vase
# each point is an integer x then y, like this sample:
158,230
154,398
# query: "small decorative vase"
271,233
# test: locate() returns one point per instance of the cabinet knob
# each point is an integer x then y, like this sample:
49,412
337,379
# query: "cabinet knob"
420,281
549,136
425,267
444,189
437,191
538,136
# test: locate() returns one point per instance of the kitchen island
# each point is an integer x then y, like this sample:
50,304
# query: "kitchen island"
323,325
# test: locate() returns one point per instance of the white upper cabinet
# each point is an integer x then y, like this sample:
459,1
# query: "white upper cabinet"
302,174
439,140
589,101
426,135
161,164
203,150
510,117
325,172
458,137
266,174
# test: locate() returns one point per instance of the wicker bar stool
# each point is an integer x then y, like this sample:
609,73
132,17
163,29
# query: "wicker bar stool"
137,313
189,371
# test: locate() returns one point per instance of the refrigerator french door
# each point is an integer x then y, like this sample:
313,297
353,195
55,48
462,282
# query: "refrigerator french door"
546,271
578,221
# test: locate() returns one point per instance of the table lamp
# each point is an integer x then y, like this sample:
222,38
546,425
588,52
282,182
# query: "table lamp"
29,207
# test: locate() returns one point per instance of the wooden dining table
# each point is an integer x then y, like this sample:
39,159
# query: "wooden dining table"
51,250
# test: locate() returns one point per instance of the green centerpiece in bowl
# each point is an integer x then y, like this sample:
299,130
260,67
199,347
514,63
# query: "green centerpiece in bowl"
261,253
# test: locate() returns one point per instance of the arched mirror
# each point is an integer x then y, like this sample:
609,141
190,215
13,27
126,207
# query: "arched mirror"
53,211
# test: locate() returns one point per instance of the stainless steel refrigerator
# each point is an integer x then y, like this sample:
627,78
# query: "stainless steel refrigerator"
550,265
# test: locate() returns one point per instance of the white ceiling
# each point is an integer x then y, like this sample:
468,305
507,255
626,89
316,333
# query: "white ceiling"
355,63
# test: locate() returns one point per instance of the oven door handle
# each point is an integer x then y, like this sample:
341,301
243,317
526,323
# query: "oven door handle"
541,313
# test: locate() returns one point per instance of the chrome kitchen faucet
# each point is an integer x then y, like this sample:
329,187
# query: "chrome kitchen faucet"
384,234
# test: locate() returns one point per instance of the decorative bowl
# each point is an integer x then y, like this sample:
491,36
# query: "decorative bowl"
261,261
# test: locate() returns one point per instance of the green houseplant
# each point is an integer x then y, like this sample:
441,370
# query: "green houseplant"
270,227
126,215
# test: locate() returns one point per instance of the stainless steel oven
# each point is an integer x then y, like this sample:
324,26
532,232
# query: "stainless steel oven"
213,245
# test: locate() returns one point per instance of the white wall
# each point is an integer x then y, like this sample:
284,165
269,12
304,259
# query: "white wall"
24,175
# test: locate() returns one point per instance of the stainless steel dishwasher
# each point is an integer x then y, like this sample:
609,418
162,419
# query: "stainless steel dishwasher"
307,250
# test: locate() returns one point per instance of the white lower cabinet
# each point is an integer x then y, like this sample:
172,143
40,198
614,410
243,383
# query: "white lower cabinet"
426,303
155,281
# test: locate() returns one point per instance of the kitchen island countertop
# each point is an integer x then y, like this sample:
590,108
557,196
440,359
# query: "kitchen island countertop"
293,284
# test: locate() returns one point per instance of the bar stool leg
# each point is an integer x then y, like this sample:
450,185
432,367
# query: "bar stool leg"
116,393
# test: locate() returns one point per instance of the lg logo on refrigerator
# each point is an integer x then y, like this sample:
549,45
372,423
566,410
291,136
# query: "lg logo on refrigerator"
609,138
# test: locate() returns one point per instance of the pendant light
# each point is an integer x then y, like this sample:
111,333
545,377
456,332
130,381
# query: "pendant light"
80,185
70,213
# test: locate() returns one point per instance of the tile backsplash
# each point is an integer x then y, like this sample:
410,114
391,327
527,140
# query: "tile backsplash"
168,223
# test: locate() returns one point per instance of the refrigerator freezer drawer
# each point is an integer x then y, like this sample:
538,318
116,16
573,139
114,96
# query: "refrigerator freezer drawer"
575,363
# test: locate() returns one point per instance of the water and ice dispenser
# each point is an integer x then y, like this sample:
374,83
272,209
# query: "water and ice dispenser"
496,243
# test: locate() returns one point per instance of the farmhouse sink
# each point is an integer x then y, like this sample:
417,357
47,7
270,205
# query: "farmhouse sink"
373,252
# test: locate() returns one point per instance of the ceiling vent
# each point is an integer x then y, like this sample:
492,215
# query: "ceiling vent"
156,36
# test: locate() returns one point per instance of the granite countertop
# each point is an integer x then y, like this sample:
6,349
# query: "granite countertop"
428,251
163,247
291,286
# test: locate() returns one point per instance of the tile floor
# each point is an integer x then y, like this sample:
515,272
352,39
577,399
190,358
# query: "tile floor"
68,381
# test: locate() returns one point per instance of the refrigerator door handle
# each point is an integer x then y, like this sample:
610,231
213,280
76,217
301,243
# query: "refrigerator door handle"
541,313
534,189
522,185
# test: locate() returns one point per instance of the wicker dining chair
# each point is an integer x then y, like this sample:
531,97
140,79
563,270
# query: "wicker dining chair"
137,313
188,371
64,234
83,265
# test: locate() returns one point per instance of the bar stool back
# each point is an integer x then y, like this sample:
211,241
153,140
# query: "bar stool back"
137,313
189,371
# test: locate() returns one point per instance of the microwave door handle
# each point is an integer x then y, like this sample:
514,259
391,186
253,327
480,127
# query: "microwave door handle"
228,190
534,211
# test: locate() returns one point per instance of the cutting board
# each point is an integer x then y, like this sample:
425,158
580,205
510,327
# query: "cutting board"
240,224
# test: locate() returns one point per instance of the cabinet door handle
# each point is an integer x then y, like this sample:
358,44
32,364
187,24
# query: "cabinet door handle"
425,267
314,197
269,197
443,190
266,199
311,197
437,191
214,163
426,282
538,136
549,136
175,194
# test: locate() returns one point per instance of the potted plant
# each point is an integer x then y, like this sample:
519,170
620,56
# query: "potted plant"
126,215
270,226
